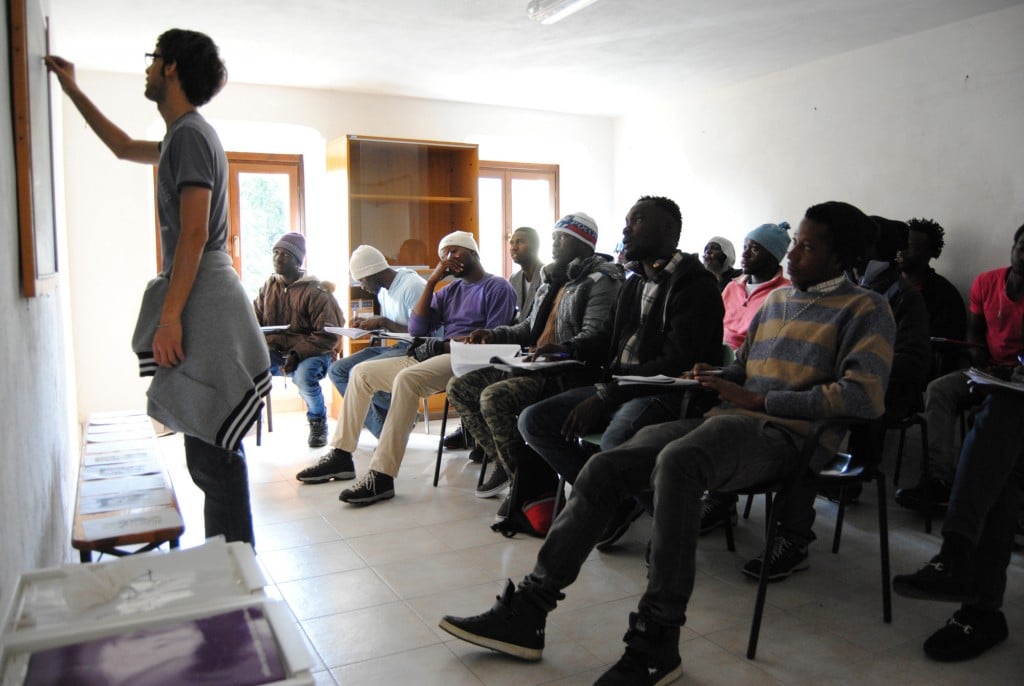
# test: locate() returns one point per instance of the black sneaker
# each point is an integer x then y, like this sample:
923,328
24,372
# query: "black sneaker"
786,558
967,634
456,440
941,579
928,496
317,433
651,657
514,626
713,511
372,487
497,482
476,454
627,513
337,464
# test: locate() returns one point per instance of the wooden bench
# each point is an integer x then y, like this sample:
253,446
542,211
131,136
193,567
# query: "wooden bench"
125,496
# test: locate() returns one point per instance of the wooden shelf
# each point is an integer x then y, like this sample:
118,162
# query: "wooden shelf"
383,197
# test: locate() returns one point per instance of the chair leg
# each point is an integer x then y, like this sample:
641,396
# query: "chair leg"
730,543
762,585
440,442
270,414
839,520
925,462
559,497
899,457
483,471
883,542
746,508
259,429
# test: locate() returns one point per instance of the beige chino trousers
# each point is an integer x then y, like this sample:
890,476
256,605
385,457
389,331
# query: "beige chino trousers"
408,381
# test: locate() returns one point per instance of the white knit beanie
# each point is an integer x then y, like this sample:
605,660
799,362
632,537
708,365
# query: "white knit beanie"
463,239
366,260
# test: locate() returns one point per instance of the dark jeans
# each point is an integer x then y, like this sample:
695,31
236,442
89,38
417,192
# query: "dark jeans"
541,426
681,459
986,491
223,478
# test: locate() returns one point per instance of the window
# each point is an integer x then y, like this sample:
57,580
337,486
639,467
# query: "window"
515,194
265,201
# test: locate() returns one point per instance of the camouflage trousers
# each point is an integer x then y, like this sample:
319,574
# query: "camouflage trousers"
489,401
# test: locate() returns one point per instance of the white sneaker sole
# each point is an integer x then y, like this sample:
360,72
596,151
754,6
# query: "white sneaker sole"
493,491
370,499
340,476
521,652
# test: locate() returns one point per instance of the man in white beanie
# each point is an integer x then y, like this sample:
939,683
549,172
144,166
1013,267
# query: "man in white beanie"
718,258
397,291
474,300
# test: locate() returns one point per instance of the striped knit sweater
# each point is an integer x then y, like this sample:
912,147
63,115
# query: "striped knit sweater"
816,355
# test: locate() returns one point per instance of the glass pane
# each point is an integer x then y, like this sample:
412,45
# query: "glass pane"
492,229
264,215
531,206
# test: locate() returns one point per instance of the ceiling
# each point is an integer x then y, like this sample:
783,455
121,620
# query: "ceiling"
606,60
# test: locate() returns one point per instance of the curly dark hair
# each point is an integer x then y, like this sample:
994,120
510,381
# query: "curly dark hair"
671,210
1017,234
200,69
851,233
936,234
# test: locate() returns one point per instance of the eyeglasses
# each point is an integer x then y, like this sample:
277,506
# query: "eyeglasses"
150,56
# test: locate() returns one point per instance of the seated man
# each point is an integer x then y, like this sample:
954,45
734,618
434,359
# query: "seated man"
763,250
946,314
719,257
474,300
977,535
570,319
907,379
303,350
822,348
668,317
997,308
397,291
523,244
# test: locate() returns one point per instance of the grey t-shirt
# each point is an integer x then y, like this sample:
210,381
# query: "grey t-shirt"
191,155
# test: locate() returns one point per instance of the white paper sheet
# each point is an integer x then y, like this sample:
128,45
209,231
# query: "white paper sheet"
657,380
111,502
110,527
127,484
466,357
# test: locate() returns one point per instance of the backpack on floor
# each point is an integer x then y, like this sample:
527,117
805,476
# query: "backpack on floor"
531,504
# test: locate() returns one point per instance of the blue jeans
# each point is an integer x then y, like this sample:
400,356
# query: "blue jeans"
541,425
307,379
223,478
986,491
681,459
341,370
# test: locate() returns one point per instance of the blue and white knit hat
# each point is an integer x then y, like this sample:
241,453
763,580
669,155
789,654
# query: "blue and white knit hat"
578,225
772,237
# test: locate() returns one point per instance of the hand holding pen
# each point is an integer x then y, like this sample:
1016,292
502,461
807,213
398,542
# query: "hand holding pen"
550,351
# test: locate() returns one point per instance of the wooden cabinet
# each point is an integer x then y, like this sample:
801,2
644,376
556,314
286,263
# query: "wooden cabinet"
404,196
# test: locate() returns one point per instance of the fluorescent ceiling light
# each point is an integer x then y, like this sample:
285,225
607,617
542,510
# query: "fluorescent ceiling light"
550,11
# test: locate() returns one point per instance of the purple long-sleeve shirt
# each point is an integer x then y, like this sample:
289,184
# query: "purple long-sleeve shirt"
464,307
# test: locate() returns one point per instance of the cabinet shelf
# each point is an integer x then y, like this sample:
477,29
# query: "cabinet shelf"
385,197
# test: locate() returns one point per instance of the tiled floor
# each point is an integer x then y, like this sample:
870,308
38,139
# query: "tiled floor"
368,585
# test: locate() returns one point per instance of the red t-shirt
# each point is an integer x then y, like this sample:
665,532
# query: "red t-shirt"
1004,318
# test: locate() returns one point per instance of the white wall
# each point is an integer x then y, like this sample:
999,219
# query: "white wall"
110,206
37,443
925,125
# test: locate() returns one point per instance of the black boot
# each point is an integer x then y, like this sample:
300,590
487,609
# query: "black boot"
514,626
317,433
651,657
